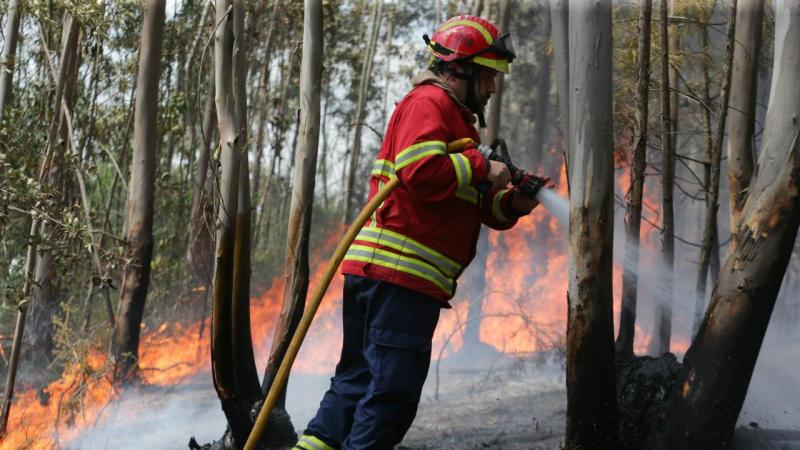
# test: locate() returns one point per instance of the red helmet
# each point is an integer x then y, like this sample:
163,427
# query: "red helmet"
471,38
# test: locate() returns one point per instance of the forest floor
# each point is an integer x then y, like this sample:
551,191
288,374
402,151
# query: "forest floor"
512,402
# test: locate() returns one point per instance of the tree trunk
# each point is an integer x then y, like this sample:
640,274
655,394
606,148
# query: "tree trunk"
630,276
244,366
233,367
363,91
712,205
277,143
559,20
46,292
264,101
662,323
8,61
591,402
744,79
201,222
141,194
719,364
299,224
542,107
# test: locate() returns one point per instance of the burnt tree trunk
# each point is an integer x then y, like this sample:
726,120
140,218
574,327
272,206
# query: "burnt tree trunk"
233,368
302,201
630,276
741,124
141,194
712,203
662,324
719,364
591,402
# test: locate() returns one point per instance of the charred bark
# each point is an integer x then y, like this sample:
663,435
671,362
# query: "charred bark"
591,404
662,324
719,364
141,194
233,368
299,224
633,217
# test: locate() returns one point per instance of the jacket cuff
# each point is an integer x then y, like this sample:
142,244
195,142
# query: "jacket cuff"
480,168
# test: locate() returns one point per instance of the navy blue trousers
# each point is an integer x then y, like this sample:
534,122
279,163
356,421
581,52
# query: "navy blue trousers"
385,357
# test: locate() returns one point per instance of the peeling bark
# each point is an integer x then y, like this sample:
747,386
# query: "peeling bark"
719,364
591,396
744,79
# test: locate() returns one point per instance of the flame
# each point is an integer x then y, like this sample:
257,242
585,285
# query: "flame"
524,310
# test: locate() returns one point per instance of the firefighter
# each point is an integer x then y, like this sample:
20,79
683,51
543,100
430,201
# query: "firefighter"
403,266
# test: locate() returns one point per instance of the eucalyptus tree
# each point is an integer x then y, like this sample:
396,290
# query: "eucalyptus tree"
48,291
662,327
591,396
630,278
718,366
296,276
232,362
712,205
8,58
141,196
741,124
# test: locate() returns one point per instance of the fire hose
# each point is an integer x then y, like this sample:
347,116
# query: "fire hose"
528,185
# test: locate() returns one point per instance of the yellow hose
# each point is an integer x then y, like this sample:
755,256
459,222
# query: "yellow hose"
311,309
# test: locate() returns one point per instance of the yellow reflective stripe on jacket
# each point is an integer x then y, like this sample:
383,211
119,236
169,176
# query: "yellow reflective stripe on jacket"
463,169
411,266
468,193
418,151
458,145
470,23
405,244
383,167
309,442
497,211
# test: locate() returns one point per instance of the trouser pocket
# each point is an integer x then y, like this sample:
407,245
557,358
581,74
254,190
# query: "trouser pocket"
402,366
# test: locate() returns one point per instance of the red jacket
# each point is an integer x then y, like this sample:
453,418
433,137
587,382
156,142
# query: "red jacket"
424,234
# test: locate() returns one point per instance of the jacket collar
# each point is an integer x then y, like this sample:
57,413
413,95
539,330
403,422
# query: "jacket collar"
428,77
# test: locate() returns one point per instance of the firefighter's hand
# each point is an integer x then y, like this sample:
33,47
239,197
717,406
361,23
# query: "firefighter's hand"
521,199
498,175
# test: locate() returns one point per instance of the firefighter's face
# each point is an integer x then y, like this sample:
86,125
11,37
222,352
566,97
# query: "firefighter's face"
486,85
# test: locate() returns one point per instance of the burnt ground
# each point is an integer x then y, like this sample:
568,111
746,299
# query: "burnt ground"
511,402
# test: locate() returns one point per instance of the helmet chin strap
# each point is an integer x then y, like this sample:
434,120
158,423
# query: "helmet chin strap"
471,101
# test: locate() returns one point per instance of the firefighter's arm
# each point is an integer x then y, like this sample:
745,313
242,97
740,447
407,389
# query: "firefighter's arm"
501,208
422,162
